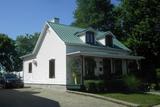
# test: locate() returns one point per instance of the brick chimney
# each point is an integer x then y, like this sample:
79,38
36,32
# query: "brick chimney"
55,20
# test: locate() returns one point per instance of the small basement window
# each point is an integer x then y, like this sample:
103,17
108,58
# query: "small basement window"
52,68
90,37
30,67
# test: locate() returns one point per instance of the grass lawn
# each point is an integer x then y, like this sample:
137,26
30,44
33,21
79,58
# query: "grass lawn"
145,100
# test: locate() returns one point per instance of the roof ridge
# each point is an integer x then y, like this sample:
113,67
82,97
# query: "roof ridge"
76,27
66,25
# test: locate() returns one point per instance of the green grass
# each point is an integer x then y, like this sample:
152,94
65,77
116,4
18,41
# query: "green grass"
145,100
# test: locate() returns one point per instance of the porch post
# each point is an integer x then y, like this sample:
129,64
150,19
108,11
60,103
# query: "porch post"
124,67
112,65
83,69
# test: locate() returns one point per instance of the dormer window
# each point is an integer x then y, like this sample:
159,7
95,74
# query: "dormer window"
109,40
90,37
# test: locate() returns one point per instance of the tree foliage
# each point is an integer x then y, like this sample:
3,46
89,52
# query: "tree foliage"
138,21
26,43
135,22
8,54
94,13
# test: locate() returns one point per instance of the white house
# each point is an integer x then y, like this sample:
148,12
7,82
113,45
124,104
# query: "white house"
61,47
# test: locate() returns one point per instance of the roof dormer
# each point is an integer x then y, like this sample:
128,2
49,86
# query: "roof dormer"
90,37
106,39
109,40
87,36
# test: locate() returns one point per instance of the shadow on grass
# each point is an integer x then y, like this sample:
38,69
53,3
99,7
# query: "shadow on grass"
14,98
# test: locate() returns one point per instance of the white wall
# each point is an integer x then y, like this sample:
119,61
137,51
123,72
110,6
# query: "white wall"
52,48
26,75
102,41
83,38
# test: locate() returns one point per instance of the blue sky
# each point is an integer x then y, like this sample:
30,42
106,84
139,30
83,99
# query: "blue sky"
28,16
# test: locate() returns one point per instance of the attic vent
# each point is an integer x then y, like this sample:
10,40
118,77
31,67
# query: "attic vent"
55,20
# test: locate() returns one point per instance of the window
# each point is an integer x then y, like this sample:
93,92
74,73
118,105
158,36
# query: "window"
90,37
117,67
30,67
100,69
52,68
109,40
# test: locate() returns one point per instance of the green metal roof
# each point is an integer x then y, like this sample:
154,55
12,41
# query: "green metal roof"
67,34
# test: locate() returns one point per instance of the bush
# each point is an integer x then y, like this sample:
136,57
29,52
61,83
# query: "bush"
158,73
100,85
115,85
131,82
145,87
94,85
90,85
157,87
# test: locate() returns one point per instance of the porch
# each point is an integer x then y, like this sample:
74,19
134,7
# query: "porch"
97,66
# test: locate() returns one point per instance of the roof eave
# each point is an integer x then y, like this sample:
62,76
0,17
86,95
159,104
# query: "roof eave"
76,44
35,50
26,56
108,56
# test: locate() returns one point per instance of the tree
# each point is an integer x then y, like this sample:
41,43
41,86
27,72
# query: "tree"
139,21
25,45
7,53
94,13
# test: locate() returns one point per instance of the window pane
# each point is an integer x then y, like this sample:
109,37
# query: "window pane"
52,68
117,67
87,38
109,41
90,37
30,67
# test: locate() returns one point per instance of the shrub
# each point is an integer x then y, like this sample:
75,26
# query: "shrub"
158,73
94,85
115,85
145,87
131,82
100,85
157,87
90,85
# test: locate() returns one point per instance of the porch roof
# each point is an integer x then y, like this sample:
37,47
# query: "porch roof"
104,55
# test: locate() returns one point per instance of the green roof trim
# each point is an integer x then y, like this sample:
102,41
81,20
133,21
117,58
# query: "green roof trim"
67,34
